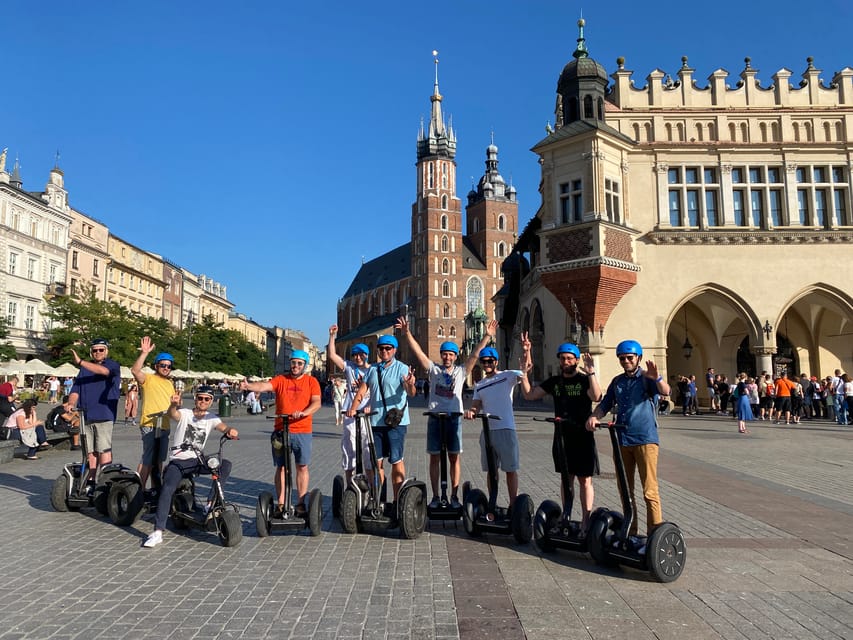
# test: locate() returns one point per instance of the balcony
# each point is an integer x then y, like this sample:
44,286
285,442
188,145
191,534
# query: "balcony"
54,289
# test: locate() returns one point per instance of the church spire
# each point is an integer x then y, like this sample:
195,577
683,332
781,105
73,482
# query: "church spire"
438,139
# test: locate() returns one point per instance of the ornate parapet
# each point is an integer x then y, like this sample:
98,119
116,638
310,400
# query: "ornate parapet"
727,236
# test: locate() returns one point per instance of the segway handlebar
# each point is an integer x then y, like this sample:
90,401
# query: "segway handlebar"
159,414
443,414
362,414
488,416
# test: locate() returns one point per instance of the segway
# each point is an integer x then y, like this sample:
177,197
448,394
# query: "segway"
271,518
481,514
223,518
553,526
363,505
663,554
127,498
445,510
70,490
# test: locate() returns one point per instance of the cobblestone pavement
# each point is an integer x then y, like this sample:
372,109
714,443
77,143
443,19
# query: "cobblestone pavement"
767,519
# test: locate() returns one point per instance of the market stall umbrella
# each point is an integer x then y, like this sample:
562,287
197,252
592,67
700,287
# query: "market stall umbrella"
180,373
36,367
67,370
126,373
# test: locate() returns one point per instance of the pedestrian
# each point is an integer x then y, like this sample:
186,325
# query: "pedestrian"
131,403
298,395
445,381
53,388
96,391
354,371
783,388
847,405
493,395
390,383
30,428
743,404
339,391
634,394
157,391
711,384
574,392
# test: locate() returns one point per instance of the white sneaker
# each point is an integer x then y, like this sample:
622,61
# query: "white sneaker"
153,540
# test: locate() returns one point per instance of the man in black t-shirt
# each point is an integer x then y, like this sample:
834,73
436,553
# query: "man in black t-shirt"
573,393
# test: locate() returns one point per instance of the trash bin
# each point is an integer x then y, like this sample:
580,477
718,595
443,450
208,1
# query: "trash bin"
224,406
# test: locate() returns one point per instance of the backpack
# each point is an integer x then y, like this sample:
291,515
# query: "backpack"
55,422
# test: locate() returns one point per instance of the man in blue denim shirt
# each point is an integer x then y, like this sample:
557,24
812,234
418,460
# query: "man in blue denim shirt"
635,395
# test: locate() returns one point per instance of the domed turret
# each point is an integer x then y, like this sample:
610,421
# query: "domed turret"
581,87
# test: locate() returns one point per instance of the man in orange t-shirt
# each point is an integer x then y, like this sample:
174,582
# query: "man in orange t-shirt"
783,397
297,394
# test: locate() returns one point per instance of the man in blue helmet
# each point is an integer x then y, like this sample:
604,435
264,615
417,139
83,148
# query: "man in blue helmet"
493,395
573,393
390,383
445,395
635,394
157,391
298,395
354,371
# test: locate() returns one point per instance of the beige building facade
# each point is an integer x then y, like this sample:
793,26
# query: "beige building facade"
88,258
710,222
34,230
135,278
249,329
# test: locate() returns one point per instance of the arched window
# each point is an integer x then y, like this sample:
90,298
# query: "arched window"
476,225
444,220
474,294
587,107
431,175
445,266
452,332
444,244
444,202
444,182
446,311
501,222
601,108
445,289
440,331
501,249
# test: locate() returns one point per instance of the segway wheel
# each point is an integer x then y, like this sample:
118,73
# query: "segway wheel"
522,519
100,502
338,487
412,513
466,487
666,552
230,528
59,494
262,514
315,512
598,538
124,502
349,512
474,507
546,518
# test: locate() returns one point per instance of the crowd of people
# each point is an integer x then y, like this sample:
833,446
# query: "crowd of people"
781,399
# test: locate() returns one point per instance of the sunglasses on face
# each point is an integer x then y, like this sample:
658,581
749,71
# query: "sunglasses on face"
488,360
164,365
101,350
204,398
626,358
385,347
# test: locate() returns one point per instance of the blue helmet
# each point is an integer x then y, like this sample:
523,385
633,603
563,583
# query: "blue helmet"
449,346
629,346
298,354
164,356
568,347
489,352
387,340
359,348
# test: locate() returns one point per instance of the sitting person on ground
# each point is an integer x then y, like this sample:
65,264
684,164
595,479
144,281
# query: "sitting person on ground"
30,429
61,420
194,425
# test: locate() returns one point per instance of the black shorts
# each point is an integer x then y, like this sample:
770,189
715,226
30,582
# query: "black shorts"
581,454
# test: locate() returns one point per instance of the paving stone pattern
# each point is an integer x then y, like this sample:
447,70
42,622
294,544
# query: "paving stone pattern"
767,519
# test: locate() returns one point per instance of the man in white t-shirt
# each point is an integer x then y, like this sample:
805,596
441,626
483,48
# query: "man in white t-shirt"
493,395
446,381
194,425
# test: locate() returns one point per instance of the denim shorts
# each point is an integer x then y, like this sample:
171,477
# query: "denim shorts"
453,431
300,443
390,442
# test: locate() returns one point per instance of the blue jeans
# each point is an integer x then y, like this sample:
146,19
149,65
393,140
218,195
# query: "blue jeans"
840,408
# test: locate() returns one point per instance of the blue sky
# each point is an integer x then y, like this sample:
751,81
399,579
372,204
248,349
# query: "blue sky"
271,145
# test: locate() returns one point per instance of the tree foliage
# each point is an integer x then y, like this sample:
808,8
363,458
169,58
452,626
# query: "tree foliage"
7,350
77,320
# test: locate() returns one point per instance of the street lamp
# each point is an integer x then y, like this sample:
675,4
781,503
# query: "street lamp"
686,348
768,328
190,320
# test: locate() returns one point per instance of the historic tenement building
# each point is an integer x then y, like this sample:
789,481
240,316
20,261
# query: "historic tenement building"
445,278
709,220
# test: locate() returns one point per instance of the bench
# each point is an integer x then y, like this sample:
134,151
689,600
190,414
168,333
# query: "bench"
11,449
